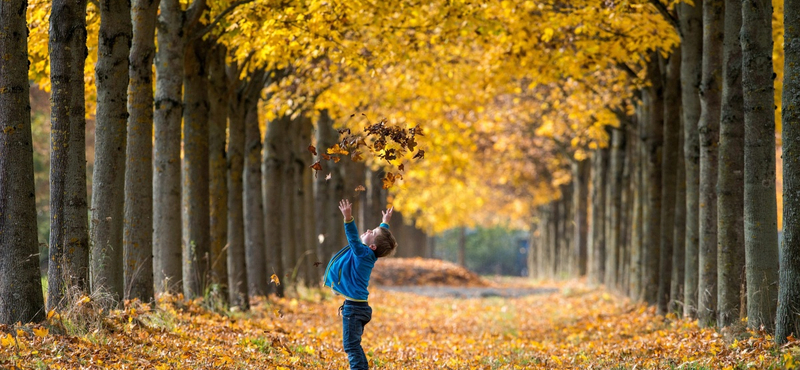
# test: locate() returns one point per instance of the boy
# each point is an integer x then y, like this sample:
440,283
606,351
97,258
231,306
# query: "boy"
348,275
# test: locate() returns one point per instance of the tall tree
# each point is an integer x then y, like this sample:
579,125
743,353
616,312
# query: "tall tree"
653,143
730,201
217,169
138,225
69,224
108,190
20,285
327,191
580,181
708,127
253,197
760,206
614,207
788,314
679,249
669,171
691,27
237,261
638,196
597,243
275,152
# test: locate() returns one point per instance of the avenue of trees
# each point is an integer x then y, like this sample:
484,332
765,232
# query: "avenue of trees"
636,140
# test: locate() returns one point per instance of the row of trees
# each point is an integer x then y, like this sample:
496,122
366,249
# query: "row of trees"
679,209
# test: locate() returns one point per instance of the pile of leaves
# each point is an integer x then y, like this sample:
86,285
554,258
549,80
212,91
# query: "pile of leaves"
421,271
575,328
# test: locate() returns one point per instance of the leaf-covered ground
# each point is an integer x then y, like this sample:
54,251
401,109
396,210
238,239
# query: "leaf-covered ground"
576,328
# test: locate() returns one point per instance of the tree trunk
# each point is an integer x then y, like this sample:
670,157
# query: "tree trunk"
730,198
462,247
108,190
760,208
327,192
195,171
310,275
217,171
669,170
68,266
653,147
635,264
708,127
20,284
788,312
614,206
167,224
691,22
580,181
626,216
253,201
138,225
565,230
533,243
597,227
679,239
275,152
552,242
237,262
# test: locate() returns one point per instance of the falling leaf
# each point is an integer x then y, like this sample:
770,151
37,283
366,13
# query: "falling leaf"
316,167
420,154
312,149
360,188
326,157
274,279
328,176
401,167
388,180
356,157
337,149
336,159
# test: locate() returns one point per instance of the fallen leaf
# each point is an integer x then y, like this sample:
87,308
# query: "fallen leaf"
40,332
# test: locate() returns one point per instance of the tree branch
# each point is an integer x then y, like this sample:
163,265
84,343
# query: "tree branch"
202,32
667,15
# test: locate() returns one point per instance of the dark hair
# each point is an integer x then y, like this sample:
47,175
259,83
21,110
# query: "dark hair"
385,244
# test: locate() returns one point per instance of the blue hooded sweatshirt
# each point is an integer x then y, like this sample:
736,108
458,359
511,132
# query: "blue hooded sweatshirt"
349,269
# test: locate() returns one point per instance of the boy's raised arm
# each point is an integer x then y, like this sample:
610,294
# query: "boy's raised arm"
350,229
387,216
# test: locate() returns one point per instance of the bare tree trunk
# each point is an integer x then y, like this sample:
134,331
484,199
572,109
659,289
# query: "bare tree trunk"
306,182
626,216
691,22
760,208
597,227
69,230
614,207
20,284
533,246
327,192
552,242
580,181
108,190
167,212
669,170
253,196
237,261
544,241
730,201
196,234
653,145
679,246
275,152
138,225
788,312
565,230
635,267
217,170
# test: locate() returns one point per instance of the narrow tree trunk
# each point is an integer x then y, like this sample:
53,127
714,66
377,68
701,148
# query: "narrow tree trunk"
138,229
195,171
68,265
580,181
597,227
544,241
462,247
760,208
237,262
679,246
275,151
307,220
20,284
614,206
533,246
626,216
167,163
552,242
217,171
108,190
788,314
669,170
691,22
653,145
708,127
253,201
327,193
730,201
635,267
565,241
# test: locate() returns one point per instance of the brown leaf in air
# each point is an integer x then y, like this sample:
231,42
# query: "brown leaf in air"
360,188
312,149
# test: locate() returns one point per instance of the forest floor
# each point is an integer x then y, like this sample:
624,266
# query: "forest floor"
559,325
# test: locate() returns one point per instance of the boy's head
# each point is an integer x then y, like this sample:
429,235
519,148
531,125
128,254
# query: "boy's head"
380,240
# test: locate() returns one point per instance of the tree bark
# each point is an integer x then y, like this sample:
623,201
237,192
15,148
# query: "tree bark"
760,208
580,181
108,190
653,147
327,192
68,266
614,207
217,171
788,312
237,262
626,217
167,211
691,24
565,230
635,265
730,198
708,128
138,224
306,218
20,284
679,239
597,227
195,171
275,153
253,201
669,170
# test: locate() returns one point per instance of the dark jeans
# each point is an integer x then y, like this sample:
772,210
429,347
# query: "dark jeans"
354,316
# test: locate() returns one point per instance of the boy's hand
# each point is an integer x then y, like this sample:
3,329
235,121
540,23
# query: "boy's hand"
346,208
387,215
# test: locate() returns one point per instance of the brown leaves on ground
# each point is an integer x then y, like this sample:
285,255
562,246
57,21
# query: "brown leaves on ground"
421,271
574,328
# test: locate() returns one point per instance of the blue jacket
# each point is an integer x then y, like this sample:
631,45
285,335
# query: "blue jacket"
349,269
